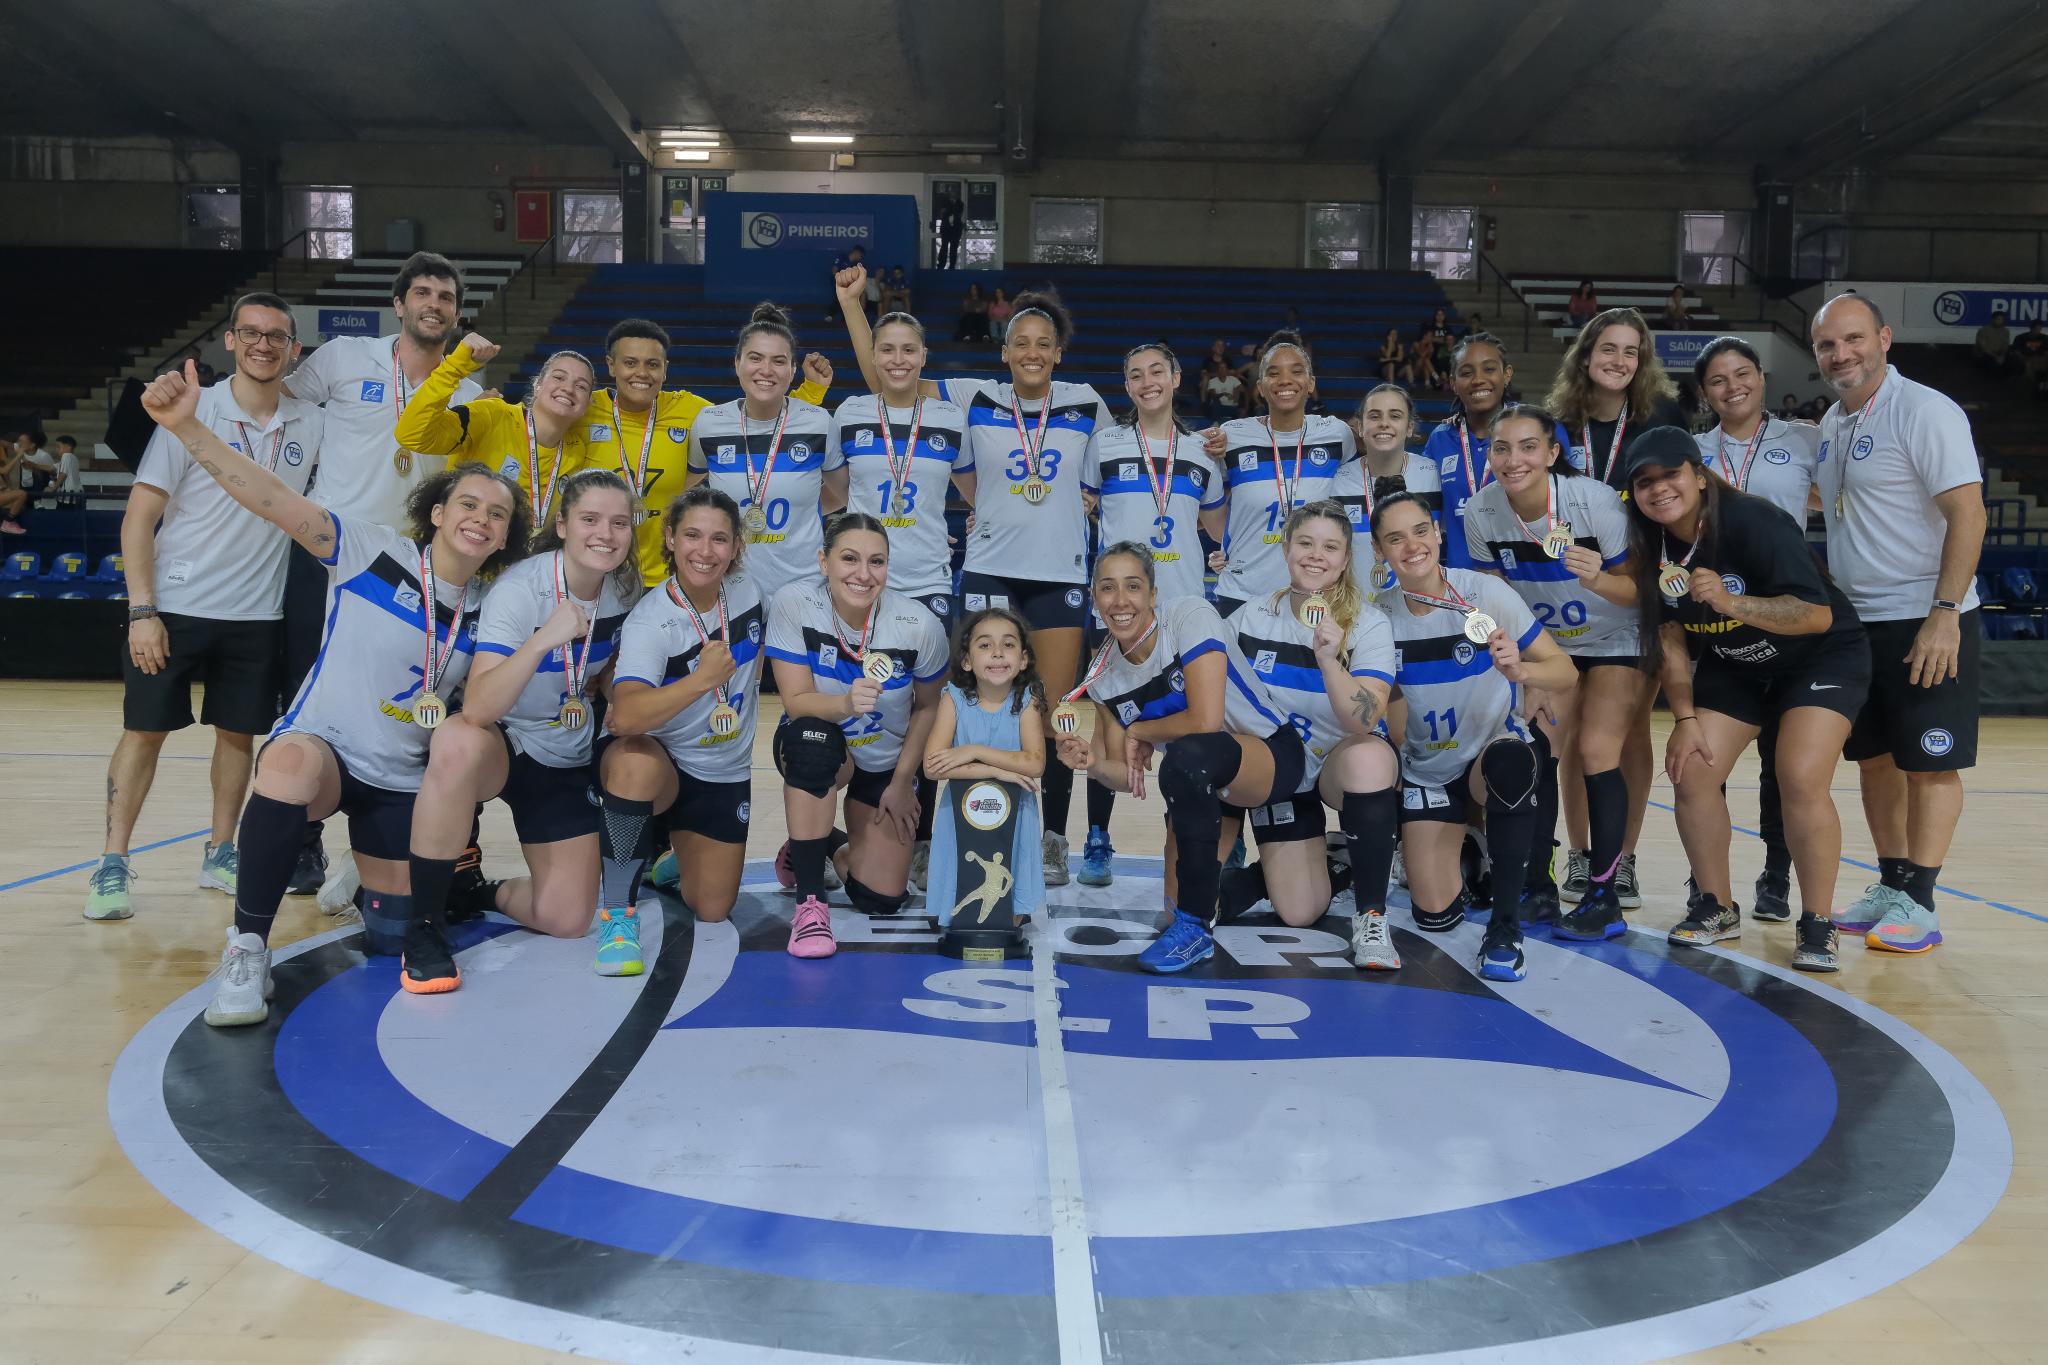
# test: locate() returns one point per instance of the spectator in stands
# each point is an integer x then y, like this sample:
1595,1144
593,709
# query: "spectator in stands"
1222,391
999,310
1247,363
1292,323
973,316
1582,304
38,466
1395,366
1993,349
1423,369
874,295
70,478
896,292
952,225
1790,408
2032,348
1474,325
1675,317
13,498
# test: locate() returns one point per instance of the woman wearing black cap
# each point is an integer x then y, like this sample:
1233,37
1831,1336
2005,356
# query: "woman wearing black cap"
1724,578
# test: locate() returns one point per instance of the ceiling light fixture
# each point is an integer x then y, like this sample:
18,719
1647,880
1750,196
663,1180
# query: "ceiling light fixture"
823,139
692,156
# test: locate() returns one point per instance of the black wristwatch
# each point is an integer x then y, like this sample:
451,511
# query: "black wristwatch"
143,613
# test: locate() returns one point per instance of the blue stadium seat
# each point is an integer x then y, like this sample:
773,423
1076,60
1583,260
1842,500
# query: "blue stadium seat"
2023,626
67,567
119,594
2019,585
25,591
74,596
1989,593
110,570
22,564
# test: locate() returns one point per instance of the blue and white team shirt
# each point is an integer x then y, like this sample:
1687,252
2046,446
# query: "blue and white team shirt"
1047,543
793,499
1157,686
661,644
1580,620
214,557
1128,484
516,606
1357,490
1257,463
1456,458
1777,462
1283,658
804,628
373,653
1458,702
913,512
363,390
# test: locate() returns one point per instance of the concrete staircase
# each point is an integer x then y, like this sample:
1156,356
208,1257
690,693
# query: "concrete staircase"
522,313
1507,317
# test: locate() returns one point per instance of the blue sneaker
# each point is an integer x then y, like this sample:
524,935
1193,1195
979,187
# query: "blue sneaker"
1907,928
618,947
1594,919
1539,909
663,874
1185,942
1500,952
1877,903
1095,856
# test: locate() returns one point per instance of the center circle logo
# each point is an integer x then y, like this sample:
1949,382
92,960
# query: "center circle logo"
986,805
1950,307
1415,1163
762,229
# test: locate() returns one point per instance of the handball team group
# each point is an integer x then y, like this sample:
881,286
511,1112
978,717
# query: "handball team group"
407,597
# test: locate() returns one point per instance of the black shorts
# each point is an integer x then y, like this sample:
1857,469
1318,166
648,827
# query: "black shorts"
866,786
1834,677
306,581
1448,804
1290,820
235,660
1585,663
1290,762
379,819
550,805
939,604
1044,606
719,811
1924,729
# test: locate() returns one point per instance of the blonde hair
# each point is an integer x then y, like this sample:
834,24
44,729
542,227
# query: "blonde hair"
1571,391
1347,603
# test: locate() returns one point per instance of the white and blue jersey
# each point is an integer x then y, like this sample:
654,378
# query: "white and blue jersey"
1580,620
1257,462
1458,702
660,645
792,501
1116,468
914,515
1188,628
517,605
1451,455
1349,491
1777,463
1012,538
373,655
1283,658
804,628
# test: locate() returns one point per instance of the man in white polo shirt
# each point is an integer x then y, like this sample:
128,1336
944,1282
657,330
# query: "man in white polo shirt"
1904,500
205,592
364,383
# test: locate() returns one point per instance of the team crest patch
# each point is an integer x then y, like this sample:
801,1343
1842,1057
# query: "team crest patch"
1937,743
1177,681
744,812
1777,455
1864,445
294,454
679,434
937,440
1733,583
1073,597
1462,652
1127,472
373,391
618,1175
754,631
798,449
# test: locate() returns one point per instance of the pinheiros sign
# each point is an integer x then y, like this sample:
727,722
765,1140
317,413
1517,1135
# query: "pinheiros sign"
1943,313
761,230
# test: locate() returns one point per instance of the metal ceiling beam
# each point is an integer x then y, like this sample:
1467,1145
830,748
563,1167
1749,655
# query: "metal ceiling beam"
1389,77
1507,56
251,75
537,28
68,55
1021,23
478,52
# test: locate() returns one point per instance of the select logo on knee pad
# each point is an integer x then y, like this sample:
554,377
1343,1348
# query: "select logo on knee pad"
1937,742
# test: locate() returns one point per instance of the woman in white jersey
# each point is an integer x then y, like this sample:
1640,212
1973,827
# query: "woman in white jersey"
770,453
1326,658
527,724
1272,465
1384,426
1775,460
1027,438
1157,486
1170,681
1557,536
401,627
685,694
1466,645
859,668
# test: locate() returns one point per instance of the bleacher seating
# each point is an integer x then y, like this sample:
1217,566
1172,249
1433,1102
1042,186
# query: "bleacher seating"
1548,294
110,570
21,565
365,282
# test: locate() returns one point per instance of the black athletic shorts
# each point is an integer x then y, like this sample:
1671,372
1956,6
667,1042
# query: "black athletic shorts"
1044,606
1290,820
1290,762
550,805
306,581
719,811
235,660
867,786
1835,677
1924,729
379,819
939,604
1450,804
1585,663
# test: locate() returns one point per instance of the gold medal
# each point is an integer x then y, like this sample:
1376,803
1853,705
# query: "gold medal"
1066,718
724,719
428,710
574,715
1673,580
401,460
1558,540
878,666
1313,609
1034,490
1479,627
757,520
639,517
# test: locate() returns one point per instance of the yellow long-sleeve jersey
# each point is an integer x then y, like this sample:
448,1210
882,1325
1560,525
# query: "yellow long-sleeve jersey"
490,431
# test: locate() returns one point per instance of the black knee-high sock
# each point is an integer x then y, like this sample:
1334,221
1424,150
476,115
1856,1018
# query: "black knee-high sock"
1101,801
1368,820
1538,877
1510,840
622,851
1056,793
1770,807
431,878
927,801
1198,872
1238,890
1920,884
1606,821
807,864
271,836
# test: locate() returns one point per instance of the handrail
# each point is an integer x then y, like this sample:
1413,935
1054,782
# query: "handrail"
1502,282
304,235
532,280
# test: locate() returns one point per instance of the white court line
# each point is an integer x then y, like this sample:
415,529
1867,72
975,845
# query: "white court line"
1073,1264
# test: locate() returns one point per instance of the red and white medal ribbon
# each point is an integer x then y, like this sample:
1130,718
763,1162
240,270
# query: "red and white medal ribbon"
704,636
1101,660
637,481
437,660
1280,481
575,661
1741,478
1472,475
1033,454
542,497
899,475
1161,482
276,446
757,485
1606,474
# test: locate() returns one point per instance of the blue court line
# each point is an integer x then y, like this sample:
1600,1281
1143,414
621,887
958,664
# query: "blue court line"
95,862
1872,867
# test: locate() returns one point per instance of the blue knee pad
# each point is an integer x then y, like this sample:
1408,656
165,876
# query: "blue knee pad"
1195,768
1511,767
809,754
385,920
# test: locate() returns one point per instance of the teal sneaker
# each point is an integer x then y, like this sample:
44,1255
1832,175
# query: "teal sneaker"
219,868
618,946
106,895
1877,902
663,874
1096,854
1908,927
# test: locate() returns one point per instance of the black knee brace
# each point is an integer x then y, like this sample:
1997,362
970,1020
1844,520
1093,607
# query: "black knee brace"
1194,769
1444,920
869,901
809,753
1511,767
385,919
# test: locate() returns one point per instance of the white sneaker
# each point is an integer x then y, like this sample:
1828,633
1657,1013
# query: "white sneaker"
1372,943
243,995
920,864
1398,876
1054,848
833,881
338,892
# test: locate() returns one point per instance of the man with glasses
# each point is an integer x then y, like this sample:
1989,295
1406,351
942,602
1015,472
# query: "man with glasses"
205,594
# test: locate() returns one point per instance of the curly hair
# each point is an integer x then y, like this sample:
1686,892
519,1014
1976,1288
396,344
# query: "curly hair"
434,492
1571,391
1025,686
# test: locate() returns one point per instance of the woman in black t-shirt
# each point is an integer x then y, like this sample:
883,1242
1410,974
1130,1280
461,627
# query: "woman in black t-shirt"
1724,579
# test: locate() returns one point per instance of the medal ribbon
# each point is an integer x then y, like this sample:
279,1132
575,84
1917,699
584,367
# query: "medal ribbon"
1284,484
1455,602
398,387
900,475
637,481
1613,447
1101,660
867,626
276,445
542,498
757,487
1849,449
575,663
1741,479
1699,535
681,599
1465,453
1550,516
1033,454
1161,482
437,663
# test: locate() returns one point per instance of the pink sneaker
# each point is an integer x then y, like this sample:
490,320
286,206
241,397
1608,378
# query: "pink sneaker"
783,872
810,930
12,528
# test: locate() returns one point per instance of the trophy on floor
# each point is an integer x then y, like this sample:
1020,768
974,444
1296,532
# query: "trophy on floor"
984,924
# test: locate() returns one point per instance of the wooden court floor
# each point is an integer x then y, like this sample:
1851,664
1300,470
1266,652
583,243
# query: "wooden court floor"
95,1265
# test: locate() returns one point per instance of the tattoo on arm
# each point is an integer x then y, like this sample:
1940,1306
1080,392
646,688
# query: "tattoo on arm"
1366,706
1780,615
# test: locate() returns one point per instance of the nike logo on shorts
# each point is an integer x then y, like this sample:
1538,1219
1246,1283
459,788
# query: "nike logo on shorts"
1825,687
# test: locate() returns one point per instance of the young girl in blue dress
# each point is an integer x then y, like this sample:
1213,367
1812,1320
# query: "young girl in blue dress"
990,725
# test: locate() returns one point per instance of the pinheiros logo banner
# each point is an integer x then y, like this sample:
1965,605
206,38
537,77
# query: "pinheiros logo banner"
764,231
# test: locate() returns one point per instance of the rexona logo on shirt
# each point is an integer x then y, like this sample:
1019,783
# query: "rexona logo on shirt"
741,1156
